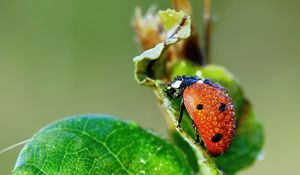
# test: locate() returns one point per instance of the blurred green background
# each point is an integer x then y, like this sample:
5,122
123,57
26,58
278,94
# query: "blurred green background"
59,58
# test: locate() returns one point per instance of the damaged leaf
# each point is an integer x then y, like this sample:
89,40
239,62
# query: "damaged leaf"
147,73
152,68
178,27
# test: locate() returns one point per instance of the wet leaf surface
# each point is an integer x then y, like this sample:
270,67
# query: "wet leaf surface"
98,144
248,141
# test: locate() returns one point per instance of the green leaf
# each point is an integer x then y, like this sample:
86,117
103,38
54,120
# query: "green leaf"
98,144
173,21
146,74
249,139
150,70
246,146
186,148
170,18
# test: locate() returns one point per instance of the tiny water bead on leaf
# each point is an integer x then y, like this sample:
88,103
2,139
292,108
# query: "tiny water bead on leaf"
210,108
249,137
98,144
167,60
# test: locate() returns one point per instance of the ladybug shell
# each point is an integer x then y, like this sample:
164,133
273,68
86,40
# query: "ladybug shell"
213,114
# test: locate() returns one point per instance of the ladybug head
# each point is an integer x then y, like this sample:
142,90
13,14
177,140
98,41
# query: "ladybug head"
176,87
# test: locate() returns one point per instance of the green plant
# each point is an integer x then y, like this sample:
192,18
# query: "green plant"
99,144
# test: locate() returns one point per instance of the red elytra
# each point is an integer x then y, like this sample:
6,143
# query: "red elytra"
210,108
215,121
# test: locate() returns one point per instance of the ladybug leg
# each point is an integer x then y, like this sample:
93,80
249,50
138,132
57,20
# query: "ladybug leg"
202,143
196,133
182,107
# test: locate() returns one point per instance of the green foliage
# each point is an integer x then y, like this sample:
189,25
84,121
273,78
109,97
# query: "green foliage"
146,75
246,146
145,70
98,144
248,141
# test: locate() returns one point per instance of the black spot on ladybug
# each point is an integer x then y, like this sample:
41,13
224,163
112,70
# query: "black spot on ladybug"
200,106
222,107
217,137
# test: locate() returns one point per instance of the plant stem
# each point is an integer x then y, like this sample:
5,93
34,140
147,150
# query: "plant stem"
207,29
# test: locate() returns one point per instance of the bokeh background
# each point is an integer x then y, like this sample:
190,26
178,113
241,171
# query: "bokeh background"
60,58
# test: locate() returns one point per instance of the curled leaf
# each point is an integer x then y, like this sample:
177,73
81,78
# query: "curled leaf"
177,25
153,69
148,65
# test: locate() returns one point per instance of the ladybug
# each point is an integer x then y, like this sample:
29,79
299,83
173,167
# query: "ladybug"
210,108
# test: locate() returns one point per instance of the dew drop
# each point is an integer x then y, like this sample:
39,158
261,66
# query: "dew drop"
260,156
142,161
